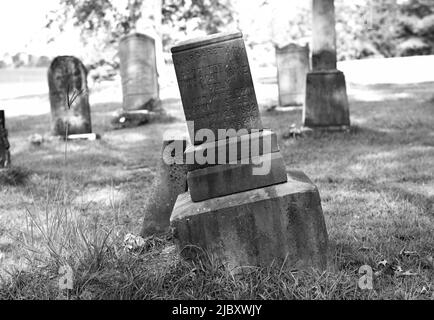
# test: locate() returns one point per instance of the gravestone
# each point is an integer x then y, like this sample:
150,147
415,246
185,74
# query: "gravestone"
138,71
245,209
326,104
5,157
292,67
170,181
215,83
67,76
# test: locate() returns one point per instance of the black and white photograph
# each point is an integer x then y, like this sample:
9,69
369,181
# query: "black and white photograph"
216,156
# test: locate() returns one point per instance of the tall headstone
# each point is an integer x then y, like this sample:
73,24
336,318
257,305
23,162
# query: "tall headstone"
5,158
244,209
170,181
68,76
326,103
138,71
292,67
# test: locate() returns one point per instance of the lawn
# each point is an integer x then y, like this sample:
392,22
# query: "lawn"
376,184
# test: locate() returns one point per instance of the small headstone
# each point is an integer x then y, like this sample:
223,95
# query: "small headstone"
292,66
240,216
138,71
67,77
5,157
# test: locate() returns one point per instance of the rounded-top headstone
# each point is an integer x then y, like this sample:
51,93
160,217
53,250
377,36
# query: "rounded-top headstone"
138,70
215,83
67,75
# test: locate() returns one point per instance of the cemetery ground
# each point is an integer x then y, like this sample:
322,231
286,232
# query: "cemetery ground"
376,184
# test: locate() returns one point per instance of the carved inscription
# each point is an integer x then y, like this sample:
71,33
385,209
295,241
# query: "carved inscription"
216,86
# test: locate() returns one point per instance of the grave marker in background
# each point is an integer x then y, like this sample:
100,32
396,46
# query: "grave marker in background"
292,67
138,71
326,103
67,73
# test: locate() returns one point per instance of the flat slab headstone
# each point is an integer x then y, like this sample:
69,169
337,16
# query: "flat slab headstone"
138,70
67,75
215,84
292,66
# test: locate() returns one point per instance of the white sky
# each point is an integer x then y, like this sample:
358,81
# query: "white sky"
21,21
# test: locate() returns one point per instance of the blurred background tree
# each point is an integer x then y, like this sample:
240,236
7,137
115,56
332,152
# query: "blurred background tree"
365,28
103,22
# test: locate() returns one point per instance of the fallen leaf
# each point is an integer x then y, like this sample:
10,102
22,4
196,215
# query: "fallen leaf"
382,263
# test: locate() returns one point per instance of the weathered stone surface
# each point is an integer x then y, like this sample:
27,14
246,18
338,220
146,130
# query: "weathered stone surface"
283,222
221,180
5,157
138,71
232,149
170,181
215,84
323,35
326,100
67,73
292,66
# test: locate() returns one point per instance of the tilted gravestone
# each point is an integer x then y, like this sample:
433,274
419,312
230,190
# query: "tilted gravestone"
292,66
138,71
5,158
67,76
170,181
326,104
242,208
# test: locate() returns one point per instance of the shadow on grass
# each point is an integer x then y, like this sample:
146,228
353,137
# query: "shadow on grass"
14,176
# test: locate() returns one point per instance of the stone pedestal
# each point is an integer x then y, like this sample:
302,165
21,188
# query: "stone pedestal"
283,222
68,76
5,157
138,71
292,66
170,181
326,100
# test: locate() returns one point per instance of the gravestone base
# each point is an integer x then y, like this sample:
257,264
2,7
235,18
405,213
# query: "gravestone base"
326,100
150,112
326,129
288,108
281,223
84,136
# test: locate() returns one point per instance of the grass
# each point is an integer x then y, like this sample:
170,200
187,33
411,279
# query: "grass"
376,184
